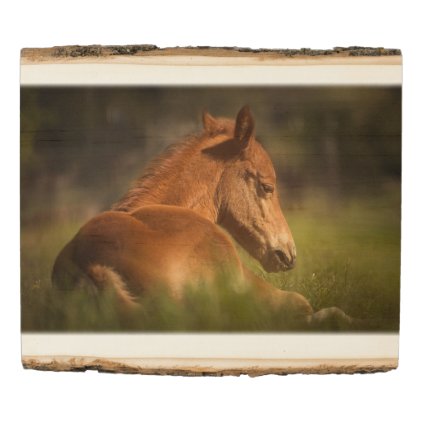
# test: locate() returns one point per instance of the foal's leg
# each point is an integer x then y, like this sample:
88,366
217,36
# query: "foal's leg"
291,303
331,319
297,308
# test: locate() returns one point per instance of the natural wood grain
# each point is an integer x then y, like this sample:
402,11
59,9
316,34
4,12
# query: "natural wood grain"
189,367
75,52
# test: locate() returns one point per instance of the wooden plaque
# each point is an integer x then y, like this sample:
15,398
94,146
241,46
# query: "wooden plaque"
210,211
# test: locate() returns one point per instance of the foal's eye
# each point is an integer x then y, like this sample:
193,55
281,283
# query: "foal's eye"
267,188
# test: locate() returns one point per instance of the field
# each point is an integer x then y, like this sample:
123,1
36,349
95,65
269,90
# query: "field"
347,257
337,154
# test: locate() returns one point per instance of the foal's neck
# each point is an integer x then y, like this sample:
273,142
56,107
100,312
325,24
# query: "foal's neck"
192,186
185,177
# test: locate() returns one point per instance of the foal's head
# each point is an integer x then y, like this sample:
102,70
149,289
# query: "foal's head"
247,195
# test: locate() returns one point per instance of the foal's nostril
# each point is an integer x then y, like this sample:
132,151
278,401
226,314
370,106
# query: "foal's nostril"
282,256
288,260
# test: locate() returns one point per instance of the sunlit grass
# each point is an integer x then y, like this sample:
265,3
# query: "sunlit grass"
348,256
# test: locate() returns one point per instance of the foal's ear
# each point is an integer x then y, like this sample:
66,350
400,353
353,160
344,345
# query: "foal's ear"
245,126
210,123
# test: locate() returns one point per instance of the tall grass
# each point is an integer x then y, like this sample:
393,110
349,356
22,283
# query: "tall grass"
348,256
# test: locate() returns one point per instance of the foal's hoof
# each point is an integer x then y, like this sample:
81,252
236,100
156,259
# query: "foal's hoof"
330,319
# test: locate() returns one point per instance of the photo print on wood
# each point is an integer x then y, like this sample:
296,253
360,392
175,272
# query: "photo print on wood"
210,210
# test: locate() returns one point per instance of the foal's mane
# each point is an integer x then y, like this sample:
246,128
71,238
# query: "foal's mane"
170,161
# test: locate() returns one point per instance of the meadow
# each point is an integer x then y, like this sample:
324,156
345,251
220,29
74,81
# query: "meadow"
337,154
348,257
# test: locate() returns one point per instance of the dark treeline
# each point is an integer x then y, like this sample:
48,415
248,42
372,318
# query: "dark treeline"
81,147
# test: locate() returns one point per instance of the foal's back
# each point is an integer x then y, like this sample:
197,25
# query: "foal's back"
156,246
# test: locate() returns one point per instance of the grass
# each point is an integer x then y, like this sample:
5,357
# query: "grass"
348,256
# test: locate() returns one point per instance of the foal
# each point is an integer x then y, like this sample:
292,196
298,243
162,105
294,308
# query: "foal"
176,226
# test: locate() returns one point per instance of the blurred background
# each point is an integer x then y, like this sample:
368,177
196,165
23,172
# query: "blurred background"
336,150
